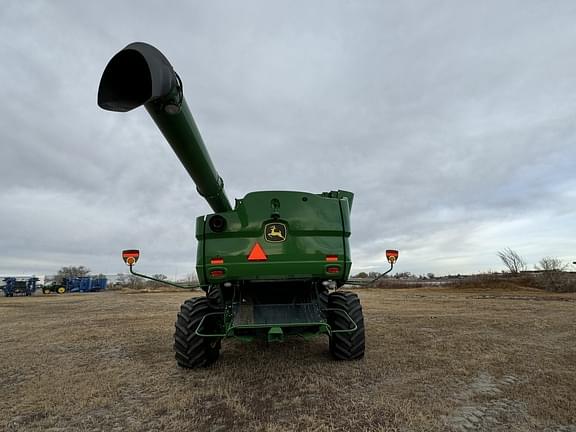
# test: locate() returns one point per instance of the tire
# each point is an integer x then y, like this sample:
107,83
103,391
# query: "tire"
61,290
323,299
349,345
215,297
193,351
46,291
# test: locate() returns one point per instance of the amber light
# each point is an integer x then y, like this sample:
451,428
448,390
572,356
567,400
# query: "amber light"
130,256
217,261
331,258
392,255
217,273
333,269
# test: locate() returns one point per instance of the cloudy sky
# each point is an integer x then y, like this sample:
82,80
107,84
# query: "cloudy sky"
453,122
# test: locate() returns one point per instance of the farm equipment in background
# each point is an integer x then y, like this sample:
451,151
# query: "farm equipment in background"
271,266
86,284
20,286
58,288
81,284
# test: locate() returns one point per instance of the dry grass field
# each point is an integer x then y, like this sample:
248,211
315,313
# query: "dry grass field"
438,359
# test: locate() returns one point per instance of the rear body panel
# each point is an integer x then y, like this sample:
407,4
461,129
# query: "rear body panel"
302,235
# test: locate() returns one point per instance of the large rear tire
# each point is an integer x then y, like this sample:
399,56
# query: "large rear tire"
323,299
193,351
348,345
215,297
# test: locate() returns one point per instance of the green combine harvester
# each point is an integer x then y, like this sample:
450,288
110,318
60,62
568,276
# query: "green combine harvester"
272,265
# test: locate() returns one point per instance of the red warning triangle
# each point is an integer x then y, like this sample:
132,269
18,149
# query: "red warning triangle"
257,253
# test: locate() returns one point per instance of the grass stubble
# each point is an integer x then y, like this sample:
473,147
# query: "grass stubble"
437,359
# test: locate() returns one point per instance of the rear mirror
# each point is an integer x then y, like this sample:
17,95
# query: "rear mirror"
392,256
130,256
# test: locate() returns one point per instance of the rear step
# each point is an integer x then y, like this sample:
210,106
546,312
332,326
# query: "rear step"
277,315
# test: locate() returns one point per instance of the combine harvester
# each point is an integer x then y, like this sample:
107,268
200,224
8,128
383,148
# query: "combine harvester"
272,265
81,284
24,286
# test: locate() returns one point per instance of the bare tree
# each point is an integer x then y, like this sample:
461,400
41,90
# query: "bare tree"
190,279
135,282
160,277
512,260
70,272
551,264
121,278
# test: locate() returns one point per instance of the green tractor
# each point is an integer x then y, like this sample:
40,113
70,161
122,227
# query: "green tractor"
54,288
272,265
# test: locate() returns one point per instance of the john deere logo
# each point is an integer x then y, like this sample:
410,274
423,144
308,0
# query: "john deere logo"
275,232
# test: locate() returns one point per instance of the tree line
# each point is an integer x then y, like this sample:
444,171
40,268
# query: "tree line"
515,263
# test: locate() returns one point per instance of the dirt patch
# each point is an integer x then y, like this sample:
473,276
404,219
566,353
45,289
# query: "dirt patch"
437,359
524,298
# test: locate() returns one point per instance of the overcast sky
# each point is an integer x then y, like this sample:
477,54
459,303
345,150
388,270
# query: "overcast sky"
452,122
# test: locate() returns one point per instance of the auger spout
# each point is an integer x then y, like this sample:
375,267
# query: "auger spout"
141,75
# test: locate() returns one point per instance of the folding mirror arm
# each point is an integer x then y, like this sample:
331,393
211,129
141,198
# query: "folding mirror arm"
131,256
392,257
161,281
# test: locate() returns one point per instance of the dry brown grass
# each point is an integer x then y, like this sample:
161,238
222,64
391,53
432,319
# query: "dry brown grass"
437,359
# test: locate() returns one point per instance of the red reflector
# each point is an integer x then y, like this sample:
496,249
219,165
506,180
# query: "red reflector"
257,253
217,273
217,261
331,258
333,269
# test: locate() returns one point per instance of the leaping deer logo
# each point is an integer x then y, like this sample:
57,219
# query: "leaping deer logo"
276,233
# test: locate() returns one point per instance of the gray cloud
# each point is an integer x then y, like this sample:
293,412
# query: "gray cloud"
452,122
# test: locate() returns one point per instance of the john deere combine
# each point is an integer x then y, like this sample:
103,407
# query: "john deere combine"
271,265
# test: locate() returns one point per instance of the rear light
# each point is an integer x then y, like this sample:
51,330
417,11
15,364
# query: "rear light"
217,273
392,256
333,269
130,256
217,261
331,258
